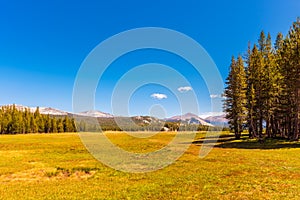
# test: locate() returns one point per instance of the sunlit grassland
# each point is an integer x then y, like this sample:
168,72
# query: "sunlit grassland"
57,166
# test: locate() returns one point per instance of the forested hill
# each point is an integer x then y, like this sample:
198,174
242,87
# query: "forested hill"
263,88
13,120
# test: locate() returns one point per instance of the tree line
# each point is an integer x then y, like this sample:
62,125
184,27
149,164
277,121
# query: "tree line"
263,88
13,121
125,124
22,121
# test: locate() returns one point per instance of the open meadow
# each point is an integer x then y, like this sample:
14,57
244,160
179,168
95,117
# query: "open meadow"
57,166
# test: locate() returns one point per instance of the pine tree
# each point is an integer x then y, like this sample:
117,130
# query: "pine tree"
47,124
271,85
26,118
276,118
53,125
60,126
7,117
262,43
33,125
14,125
279,41
250,94
235,94
256,81
74,129
66,124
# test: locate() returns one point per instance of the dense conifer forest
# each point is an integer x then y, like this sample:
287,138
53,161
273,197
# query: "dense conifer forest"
263,88
14,121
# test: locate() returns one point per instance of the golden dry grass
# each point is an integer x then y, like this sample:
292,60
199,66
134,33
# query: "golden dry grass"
57,166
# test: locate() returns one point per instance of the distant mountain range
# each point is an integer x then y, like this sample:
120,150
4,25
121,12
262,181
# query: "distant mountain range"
56,112
43,110
188,118
96,113
219,120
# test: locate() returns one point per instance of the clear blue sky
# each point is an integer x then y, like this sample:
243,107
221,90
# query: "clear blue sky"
43,43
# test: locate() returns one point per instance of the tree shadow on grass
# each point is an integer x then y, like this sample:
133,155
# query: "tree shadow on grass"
211,140
244,142
254,144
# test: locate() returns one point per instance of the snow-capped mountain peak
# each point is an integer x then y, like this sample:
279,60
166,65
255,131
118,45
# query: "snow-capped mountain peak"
57,112
42,110
190,118
51,111
95,113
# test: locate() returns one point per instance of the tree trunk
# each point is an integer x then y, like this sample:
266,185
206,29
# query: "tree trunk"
296,126
260,125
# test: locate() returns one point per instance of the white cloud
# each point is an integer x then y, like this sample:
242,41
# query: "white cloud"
214,96
184,89
159,96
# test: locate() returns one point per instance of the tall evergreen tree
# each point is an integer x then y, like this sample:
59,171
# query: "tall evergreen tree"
256,79
53,125
26,117
33,125
250,95
235,94
271,85
47,124
60,126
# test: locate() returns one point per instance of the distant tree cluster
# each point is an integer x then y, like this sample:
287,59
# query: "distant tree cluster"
126,124
13,121
84,124
263,89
